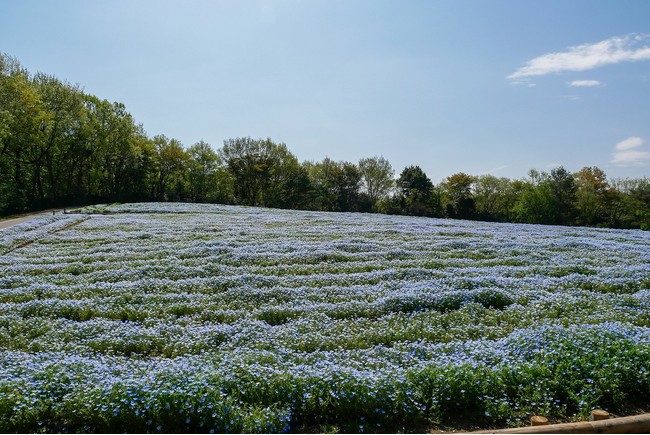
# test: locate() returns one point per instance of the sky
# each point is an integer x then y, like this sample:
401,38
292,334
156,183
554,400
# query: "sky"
482,87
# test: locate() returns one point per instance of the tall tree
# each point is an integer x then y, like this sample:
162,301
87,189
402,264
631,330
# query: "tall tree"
323,196
563,190
346,183
209,179
261,169
202,171
25,120
592,196
416,193
336,185
59,153
458,193
413,181
298,189
171,164
377,175
285,184
494,197
631,204
535,204
113,136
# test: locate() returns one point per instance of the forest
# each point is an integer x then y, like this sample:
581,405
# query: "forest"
61,147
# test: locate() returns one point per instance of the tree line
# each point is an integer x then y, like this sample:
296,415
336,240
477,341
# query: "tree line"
60,146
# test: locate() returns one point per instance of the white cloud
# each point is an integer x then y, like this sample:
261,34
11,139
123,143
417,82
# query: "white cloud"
497,169
626,155
631,158
629,143
584,83
588,56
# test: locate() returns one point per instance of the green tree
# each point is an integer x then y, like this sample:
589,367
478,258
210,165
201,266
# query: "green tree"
548,198
320,173
535,204
298,189
494,197
377,177
413,181
347,183
336,185
261,169
209,179
592,196
457,190
171,163
641,197
286,180
202,171
630,206
25,121
60,153
113,137
143,168
563,192
416,194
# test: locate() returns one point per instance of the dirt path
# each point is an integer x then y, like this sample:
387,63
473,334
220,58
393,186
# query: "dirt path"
19,220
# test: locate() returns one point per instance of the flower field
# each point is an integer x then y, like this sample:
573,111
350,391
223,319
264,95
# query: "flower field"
208,318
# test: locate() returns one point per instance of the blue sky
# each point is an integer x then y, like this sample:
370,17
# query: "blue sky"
478,86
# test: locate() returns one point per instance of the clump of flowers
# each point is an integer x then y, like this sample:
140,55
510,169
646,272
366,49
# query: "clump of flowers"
208,318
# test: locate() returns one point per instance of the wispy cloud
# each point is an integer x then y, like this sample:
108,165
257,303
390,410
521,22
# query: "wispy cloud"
584,57
494,170
626,154
629,143
584,83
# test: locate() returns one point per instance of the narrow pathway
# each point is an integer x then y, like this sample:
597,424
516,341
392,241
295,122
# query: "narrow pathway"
19,220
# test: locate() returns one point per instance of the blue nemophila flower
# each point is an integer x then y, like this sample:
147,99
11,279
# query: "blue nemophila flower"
148,310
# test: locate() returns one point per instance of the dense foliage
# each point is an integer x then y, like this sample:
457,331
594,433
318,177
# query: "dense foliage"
163,317
60,146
